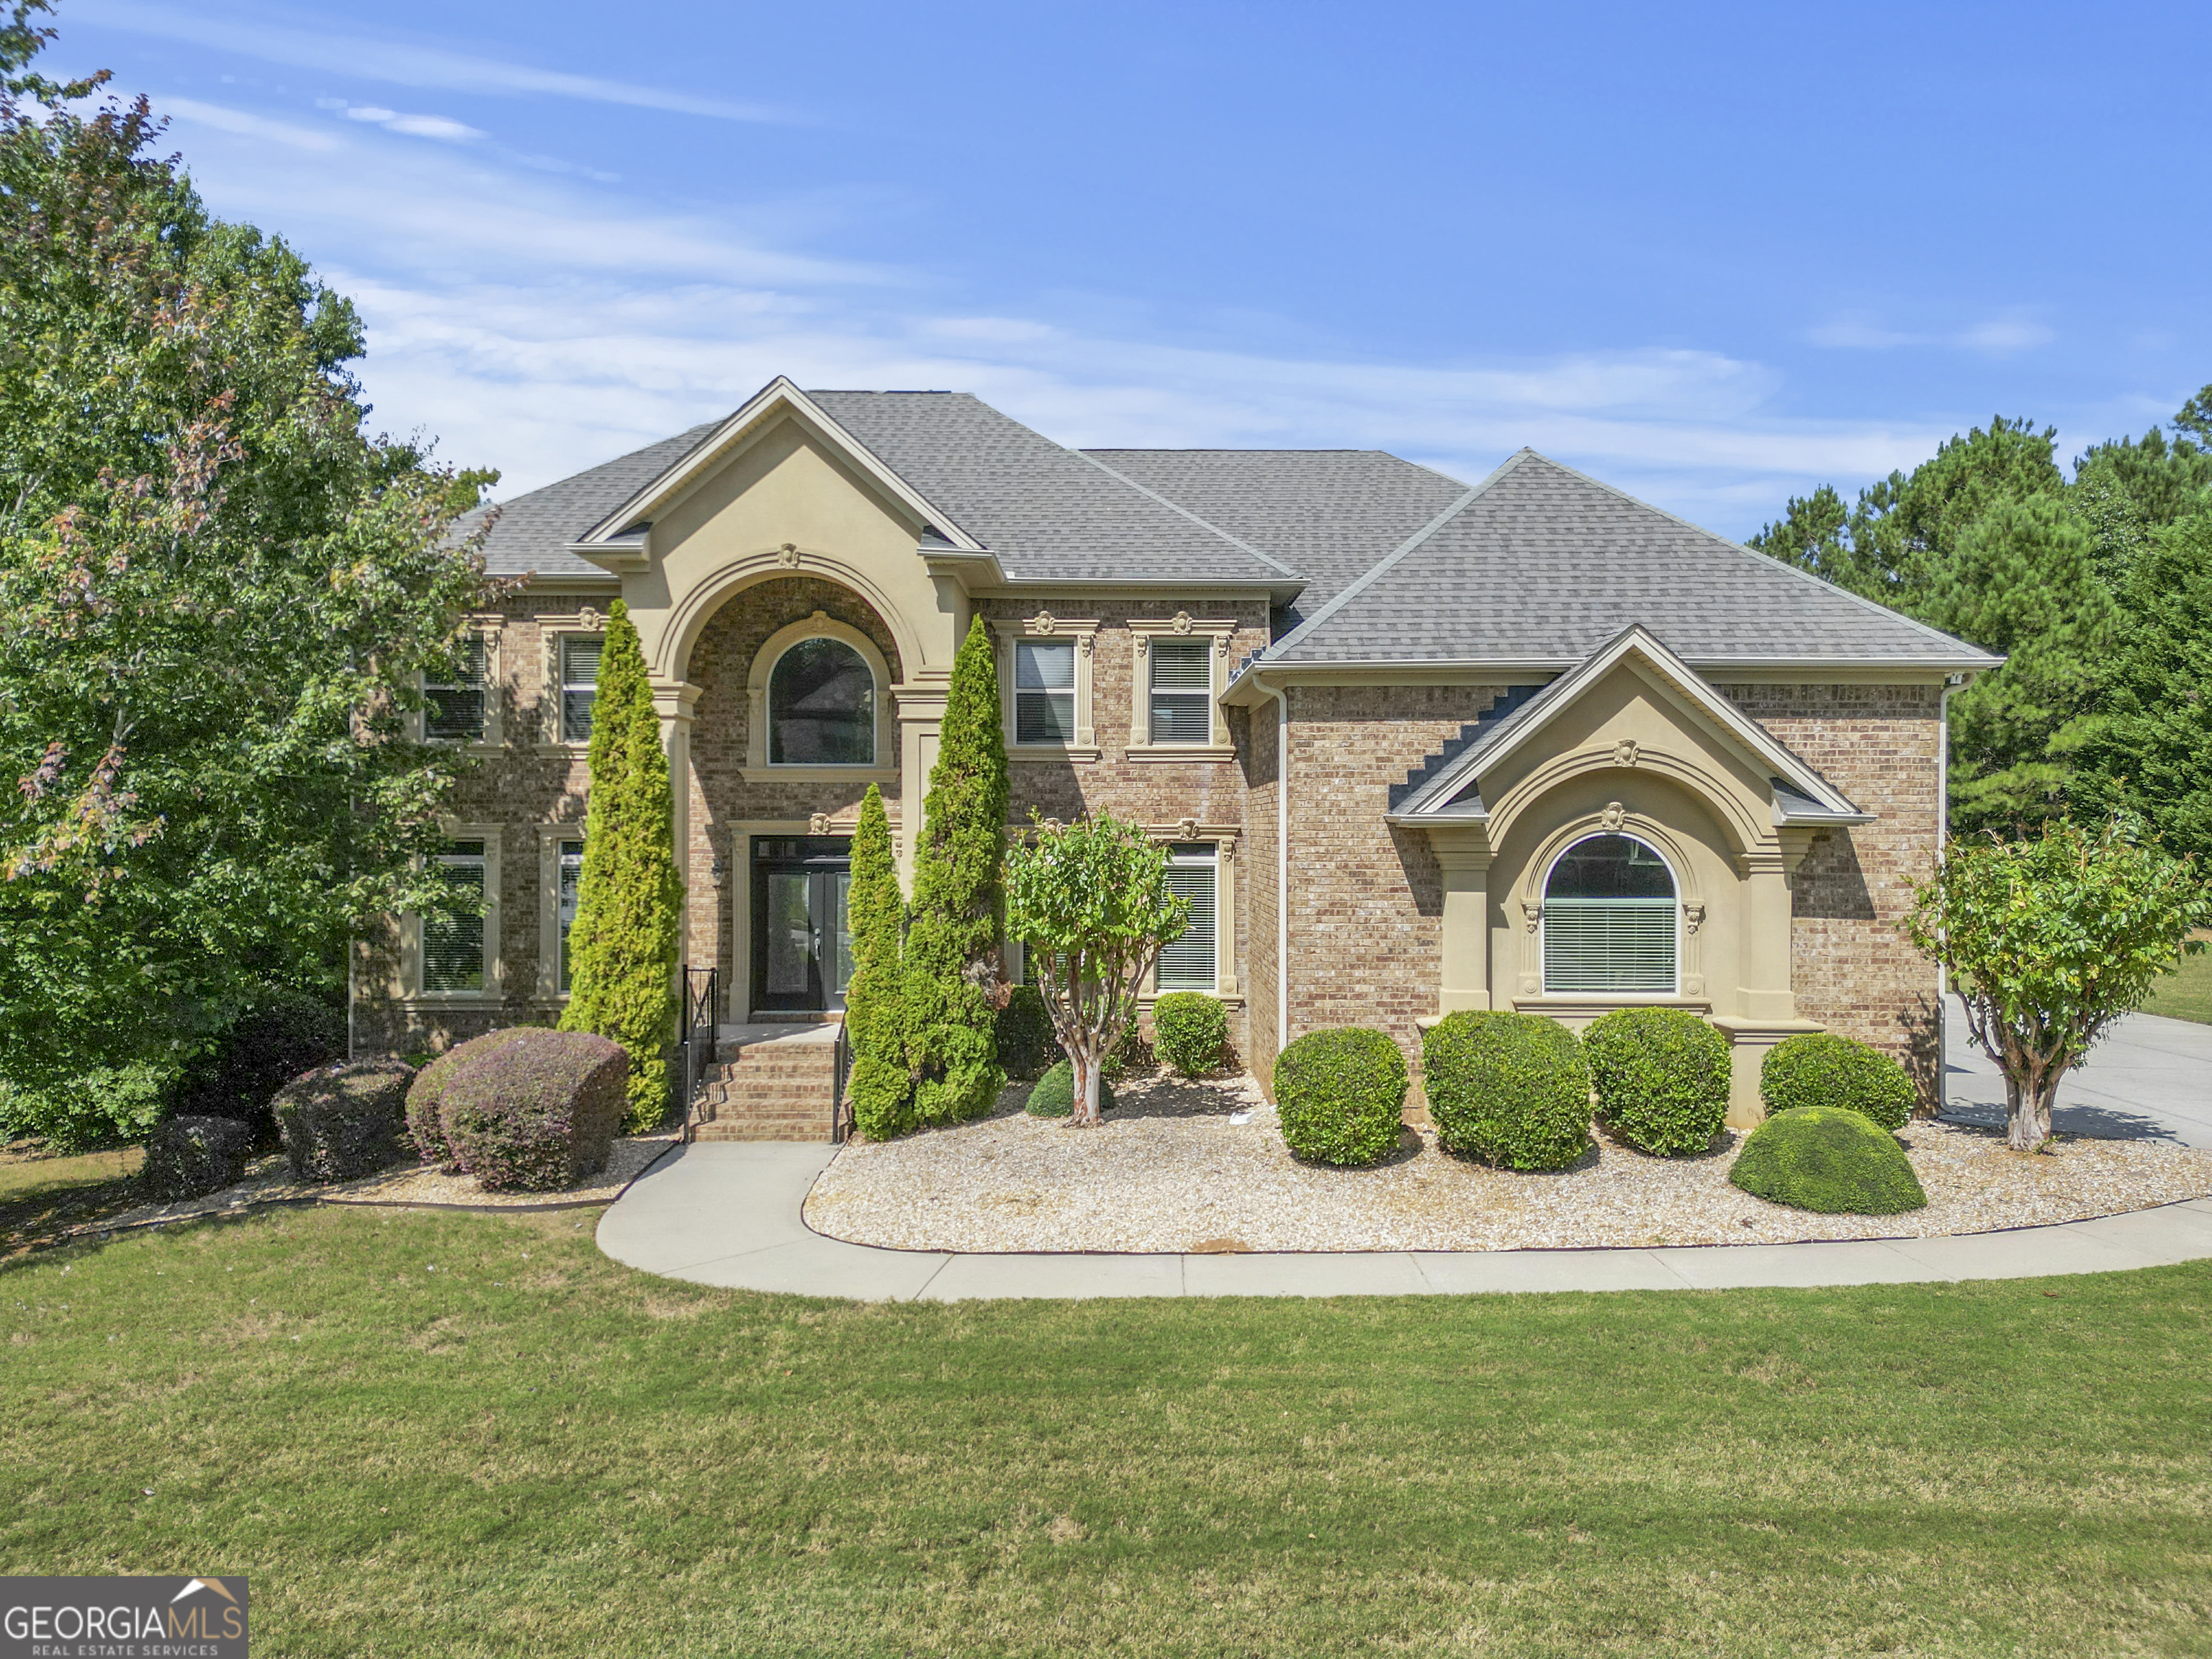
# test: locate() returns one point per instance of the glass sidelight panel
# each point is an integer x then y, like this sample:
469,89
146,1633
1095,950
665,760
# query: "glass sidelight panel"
790,939
840,885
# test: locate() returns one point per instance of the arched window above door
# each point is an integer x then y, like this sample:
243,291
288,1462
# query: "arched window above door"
1612,920
821,706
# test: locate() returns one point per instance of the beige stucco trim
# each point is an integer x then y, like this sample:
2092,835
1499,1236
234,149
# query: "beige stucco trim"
553,627
1046,627
489,626
1221,632
758,769
407,988
1228,985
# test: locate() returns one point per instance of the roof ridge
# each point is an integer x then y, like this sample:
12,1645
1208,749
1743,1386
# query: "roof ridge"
1367,578
1176,507
1766,561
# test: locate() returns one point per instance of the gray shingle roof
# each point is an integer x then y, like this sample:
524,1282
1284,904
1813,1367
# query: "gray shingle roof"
1328,513
1049,513
534,530
1542,565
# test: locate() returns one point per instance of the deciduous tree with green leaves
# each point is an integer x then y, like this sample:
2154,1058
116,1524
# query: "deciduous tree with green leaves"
880,1087
950,963
221,596
629,898
2050,939
1090,903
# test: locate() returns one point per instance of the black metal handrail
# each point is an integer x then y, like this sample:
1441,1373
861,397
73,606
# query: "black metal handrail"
841,1115
695,1032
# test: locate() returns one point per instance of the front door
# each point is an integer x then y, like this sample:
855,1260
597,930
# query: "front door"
802,941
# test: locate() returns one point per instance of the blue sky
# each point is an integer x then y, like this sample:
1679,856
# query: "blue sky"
1713,254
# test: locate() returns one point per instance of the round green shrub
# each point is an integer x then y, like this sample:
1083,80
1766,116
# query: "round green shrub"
192,1157
282,1034
344,1120
1511,1089
426,1096
1828,1159
1190,1031
1026,1043
537,1113
1054,1093
1661,1076
1819,1068
1340,1095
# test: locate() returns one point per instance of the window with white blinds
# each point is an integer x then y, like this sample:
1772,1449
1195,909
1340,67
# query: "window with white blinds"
572,876
454,946
1044,691
454,710
580,682
1188,963
1610,921
1182,691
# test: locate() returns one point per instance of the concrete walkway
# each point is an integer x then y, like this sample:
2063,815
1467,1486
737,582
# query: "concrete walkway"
729,1214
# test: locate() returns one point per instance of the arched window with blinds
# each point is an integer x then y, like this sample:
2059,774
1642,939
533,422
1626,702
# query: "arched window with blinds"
1611,921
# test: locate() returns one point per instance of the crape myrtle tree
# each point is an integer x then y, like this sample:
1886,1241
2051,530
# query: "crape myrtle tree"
221,598
629,899
950,967
1090,903
880,1087
2051,938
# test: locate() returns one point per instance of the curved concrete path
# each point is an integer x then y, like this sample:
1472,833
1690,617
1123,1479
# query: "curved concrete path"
729,1214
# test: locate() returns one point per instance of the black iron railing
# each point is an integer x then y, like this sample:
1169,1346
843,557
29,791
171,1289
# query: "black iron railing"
840,1110
702,1002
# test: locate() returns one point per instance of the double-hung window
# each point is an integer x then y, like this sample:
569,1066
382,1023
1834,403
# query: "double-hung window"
453,944
580,681
454,710
1044,691
1181,690
1190,963
570,877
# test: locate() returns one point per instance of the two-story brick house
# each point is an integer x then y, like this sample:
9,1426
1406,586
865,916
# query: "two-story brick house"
1418,745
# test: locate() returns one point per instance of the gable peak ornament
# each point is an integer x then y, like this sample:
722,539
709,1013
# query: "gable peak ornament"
787,556
1614,815
1623,752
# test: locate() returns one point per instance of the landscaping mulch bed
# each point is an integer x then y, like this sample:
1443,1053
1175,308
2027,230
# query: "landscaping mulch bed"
1172,1170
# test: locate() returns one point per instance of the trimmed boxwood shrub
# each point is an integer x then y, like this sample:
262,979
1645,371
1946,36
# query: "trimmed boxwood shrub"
426,1096
1340,1095
192,1157
1828,1159
1054,1093
1819,1068
1026,1043
1509,1088
1661,1076
282,1034
1190,1031
344,1120
539,1112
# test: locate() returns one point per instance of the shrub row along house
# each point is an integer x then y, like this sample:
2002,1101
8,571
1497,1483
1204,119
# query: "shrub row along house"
1417,745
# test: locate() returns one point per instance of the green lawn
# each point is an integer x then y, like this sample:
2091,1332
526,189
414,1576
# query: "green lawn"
2186,993
453,1435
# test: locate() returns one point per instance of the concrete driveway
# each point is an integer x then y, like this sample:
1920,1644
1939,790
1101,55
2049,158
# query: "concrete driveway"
2152,1079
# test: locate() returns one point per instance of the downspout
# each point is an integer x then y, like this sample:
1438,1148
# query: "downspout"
1282,860
1951,683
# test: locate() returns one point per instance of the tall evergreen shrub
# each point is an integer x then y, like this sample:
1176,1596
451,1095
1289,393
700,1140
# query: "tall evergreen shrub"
880,1087
629,899
950,961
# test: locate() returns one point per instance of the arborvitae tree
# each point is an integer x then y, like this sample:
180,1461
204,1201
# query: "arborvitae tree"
881,1087
2157,744
2021,580
630,900
950,964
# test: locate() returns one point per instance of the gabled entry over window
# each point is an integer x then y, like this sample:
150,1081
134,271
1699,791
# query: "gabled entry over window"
1610,919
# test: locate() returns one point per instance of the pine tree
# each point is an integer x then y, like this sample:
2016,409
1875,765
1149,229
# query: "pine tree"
950,965
630,900
881,1087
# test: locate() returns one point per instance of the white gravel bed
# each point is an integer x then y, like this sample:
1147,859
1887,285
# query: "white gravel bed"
269,1178
1171,1171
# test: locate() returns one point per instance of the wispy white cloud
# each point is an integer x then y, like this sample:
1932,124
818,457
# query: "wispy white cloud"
1859,330
419,126
404,64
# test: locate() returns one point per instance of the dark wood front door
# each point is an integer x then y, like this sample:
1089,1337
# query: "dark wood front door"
802,940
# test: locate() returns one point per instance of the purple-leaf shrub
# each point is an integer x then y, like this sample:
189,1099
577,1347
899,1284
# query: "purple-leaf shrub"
192,1157
344,1120
426,1097
536,1113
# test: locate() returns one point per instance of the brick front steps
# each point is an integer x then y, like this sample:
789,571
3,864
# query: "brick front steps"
773,1083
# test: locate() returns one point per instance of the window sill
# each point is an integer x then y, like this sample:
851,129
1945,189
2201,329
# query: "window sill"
818,773
1085,753
1590,1005
1210,753
1229,998
562,746
454,999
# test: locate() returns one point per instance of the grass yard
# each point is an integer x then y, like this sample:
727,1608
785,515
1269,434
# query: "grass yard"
2186,993
442,1434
